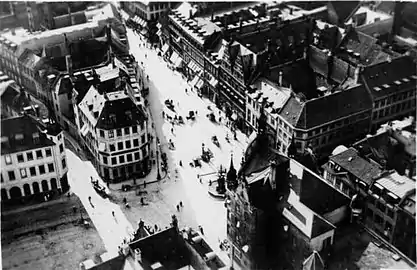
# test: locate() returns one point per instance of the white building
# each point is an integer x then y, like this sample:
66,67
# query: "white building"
112,126
33,160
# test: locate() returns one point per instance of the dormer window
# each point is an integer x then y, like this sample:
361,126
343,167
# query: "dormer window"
112,118
19,138
35,137
129,115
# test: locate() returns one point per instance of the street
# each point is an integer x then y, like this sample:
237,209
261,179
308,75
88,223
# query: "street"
199,207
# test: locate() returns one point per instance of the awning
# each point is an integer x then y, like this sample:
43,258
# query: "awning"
159,33
159,25
194,66
213,82
174,57
165,48
199,84
194,81
84,130
178,62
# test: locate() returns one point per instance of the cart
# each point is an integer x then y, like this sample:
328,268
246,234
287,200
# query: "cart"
191,115
212,117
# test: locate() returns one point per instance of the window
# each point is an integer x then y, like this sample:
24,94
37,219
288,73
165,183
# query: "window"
112,147
128,144
115,173
129,157
61,148
137,156
8,159
48,152
29,156
390,213
102,133
121,159
23,173
134,129
11,175
135,142
119,132
32,171
64,163
20,158
143,139
41,169
104,160
39,154
113,161
51,167
120,146
143,152
127,131
111,134
379,220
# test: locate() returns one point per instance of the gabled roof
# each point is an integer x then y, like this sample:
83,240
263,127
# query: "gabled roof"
351,162
318,111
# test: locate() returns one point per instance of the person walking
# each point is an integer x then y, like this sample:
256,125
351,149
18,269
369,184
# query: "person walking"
201,229
113,214
181,204
178,208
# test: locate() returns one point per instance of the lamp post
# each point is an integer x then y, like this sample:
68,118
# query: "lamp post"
158,176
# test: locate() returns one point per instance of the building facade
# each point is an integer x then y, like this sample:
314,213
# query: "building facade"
113,127
33,159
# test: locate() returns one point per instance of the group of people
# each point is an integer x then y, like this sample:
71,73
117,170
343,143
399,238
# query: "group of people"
179,206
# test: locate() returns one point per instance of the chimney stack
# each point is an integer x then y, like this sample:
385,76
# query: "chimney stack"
68,61
108,34
280,78
240,24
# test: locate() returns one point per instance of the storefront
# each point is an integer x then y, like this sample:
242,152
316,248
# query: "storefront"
176,60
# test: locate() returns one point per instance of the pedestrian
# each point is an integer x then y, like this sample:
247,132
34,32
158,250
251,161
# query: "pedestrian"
74,209
113,214
124,200
180,203
178,208
201,181
156,227
108,184
201,229
180,163
172,130
89,199
186,91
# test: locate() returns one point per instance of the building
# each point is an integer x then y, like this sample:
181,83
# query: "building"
349,173
167,249
392,147
28,57
19,14
273,200
112,124
390,211
33,159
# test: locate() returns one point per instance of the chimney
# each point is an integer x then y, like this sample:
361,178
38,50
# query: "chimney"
68,61
240,24
138,255
108,34
273,175
37,110
280,78
358,71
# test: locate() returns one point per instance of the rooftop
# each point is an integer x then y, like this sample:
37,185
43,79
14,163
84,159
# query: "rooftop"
22,133
271,91
399,185
364,15
351,162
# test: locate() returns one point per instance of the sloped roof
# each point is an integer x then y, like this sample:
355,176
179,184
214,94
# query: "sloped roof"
391,73
313,262
350,161
29,59
318,111
343,9
116,263
26,126
118,108
64,85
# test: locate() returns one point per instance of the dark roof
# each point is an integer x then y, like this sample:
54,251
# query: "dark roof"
325,109
81,85
387,73
369,51
116,263
166,247
26,126
66,85
9,94
310,185
343,9
350,161
118,108
320,226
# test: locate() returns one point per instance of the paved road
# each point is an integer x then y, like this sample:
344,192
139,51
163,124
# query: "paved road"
168,84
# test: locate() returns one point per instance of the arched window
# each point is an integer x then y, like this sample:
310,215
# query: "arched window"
15,193
26,189
35,187
45,186
54,185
